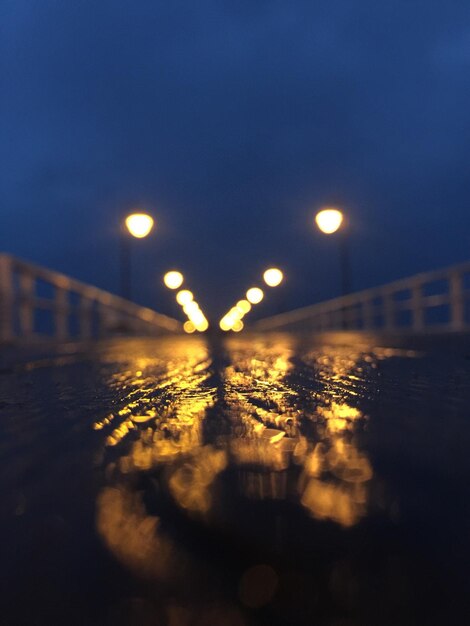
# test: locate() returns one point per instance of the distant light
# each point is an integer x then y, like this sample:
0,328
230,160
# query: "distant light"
254,295
244,306
184,297
202,326
197,317
139,224
235,313
273,277
191,307
329,220
173,279
189,327
237,326
225,323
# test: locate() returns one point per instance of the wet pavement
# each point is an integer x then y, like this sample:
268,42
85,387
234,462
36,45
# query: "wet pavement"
265,480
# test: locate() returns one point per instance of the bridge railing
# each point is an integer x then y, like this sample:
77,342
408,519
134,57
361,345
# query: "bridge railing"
431,301
36,302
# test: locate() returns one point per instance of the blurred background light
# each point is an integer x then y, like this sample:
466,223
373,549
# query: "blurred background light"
189,327
139,224
184,297
329,220
273,277
173,279
254,295
244,305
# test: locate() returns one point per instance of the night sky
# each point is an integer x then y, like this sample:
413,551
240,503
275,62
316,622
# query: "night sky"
232,122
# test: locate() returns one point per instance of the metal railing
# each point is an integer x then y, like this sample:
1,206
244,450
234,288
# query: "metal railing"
431,301
68,310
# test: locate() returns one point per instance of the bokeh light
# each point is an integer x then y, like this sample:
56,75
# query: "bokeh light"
190,307
237,326
254,295
139,224
329,220
173,279
244,306
189,327
273,277
184,297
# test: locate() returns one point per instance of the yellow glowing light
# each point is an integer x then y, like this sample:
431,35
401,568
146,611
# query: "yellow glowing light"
244,306
225,323
191,307
237,326
273,277
189,327
173,279
184,297
139,224
254,295
197,317
329,220
202,326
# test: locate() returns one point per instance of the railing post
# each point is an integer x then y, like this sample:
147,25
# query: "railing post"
367,314
26,305
417,307
107,318
388,310
456,302
85,317
61,313
6,298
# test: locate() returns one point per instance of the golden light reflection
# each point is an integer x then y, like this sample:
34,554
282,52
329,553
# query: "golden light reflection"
335,474
139,225
173,279
273,277
329,220
189,327
280,424
190,483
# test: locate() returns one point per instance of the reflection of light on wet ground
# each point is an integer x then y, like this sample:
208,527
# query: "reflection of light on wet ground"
285,426
314,428
260,482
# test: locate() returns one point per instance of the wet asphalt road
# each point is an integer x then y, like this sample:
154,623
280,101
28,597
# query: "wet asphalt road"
264,480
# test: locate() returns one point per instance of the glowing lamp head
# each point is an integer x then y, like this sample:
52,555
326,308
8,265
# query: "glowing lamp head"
237,326
184,297
225,323
273,277
189,327
254,295
244,306
202,325
329,220
173,279
139,224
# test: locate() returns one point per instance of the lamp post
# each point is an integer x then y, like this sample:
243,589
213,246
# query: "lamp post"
330,220
136,225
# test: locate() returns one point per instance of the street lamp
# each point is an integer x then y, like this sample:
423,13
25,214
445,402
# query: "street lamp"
273,277
254,295
173,279
138,225
330,220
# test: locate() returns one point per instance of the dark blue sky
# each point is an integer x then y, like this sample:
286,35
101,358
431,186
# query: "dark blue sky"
232,122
